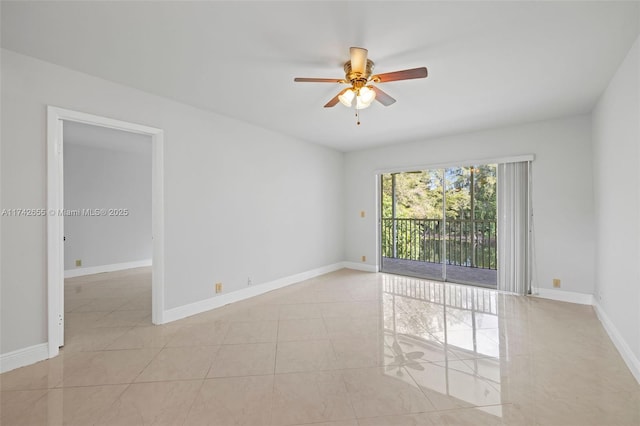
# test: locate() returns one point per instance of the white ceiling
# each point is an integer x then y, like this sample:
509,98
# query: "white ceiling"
490,63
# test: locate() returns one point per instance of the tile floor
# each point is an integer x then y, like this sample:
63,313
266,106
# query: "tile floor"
344,349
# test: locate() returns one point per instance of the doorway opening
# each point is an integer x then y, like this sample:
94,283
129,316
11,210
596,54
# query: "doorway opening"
56,118
441,224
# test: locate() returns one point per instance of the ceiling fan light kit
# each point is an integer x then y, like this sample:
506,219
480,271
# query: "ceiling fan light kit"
363,96
358,74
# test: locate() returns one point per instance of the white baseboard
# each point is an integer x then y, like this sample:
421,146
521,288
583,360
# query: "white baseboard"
21,357
621,345
90,270
360,266
625,351
564,296
245,293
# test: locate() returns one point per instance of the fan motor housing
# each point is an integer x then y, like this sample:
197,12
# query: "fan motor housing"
356,78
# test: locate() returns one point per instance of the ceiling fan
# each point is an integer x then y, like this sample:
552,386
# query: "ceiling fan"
402,359
358,74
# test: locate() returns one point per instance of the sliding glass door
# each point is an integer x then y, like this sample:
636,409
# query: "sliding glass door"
412,224
441,224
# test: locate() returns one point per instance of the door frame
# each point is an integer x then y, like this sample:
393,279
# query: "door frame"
55,217
426,166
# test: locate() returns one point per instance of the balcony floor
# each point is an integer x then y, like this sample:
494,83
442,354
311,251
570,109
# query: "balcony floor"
433,271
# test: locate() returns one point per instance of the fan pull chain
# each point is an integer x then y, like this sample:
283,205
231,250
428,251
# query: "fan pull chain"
357,116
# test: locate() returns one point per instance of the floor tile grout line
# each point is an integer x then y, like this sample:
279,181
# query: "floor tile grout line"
213,360
126,383
106,411
419,387
275,366
344,382
148,364
193,402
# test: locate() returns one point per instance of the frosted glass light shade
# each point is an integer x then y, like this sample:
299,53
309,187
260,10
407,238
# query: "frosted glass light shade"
365,96
347,98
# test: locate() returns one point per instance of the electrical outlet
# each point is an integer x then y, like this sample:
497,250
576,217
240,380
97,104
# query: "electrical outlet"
364,258
249,281
556,282
218,287
78,262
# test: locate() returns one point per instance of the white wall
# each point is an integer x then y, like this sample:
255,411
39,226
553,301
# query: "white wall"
616,154
239,200
96,177
562,193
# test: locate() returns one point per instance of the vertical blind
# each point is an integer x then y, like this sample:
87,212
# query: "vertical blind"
514,230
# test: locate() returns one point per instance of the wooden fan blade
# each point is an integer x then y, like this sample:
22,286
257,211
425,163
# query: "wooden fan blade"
358,59
400,75
335,99
415,366
415,355
382,97
318,80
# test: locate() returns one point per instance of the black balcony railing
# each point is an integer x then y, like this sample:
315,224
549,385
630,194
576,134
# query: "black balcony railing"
468,243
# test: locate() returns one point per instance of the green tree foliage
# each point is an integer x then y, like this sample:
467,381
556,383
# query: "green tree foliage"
419,197
419,194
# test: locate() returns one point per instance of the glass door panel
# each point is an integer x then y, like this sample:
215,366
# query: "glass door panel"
412,224
441,224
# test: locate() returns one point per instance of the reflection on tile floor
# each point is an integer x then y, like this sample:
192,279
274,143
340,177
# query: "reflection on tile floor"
344,349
